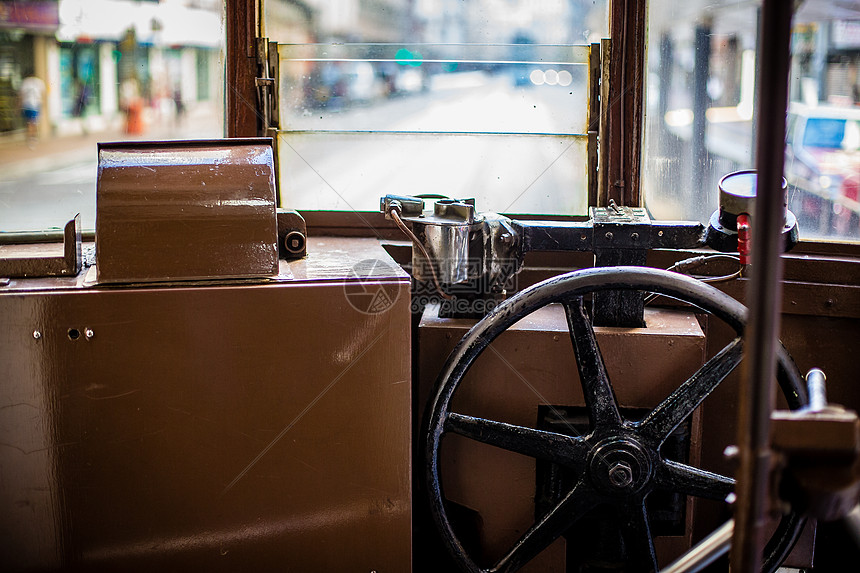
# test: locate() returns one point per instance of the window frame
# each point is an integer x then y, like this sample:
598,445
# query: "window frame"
244,25
622,122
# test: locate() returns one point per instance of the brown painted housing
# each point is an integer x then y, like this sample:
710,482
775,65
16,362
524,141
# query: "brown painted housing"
250,426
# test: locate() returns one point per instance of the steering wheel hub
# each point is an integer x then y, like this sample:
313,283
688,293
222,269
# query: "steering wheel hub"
619,466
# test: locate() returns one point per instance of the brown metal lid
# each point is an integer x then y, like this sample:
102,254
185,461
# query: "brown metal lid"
185,210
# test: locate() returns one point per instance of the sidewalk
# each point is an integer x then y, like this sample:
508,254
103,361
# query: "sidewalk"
18,161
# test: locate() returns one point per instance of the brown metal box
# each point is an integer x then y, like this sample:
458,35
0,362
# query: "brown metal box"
218,427
178,210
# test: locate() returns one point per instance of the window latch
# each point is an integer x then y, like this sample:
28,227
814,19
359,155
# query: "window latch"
267,87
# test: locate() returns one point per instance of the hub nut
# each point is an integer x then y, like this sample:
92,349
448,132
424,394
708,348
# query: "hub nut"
621,474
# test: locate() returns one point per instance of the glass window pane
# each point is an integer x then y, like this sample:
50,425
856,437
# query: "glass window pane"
99,70
485,100
468,88
504,173
700,111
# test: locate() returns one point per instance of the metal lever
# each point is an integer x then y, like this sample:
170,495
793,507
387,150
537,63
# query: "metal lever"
820,444
706,552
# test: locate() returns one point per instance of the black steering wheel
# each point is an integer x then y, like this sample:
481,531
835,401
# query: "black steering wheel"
618,462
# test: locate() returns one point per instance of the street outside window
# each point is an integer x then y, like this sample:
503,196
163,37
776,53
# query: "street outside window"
700,117
482,99
110,70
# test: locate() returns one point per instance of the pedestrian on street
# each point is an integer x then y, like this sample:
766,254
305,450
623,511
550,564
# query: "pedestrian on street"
82,100
31,94
179,105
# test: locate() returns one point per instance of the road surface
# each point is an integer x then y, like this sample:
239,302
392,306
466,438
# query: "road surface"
357,154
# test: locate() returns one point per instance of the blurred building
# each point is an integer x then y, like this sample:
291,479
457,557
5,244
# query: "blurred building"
447,21
27,31
504,21
362,20
290,22
85,50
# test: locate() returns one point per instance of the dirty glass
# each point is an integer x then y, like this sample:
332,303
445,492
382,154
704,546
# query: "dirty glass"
462,99
462,121
700,110
105,70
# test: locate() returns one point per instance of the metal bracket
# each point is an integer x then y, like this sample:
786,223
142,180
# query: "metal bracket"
292,234
617,235
622,236
36,266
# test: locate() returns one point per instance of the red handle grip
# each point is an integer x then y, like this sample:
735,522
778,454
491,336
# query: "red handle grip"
744,238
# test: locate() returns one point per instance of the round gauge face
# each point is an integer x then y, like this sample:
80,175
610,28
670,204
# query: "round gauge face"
741,184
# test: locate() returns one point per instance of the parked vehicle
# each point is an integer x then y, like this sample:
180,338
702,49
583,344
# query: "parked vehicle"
822,166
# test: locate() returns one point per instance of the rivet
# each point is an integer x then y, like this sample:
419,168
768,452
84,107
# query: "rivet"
88,332
635,236
660,234
37,335
609,236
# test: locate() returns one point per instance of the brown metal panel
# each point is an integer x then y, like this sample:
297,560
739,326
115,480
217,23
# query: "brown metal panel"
221,428
186,210
533,364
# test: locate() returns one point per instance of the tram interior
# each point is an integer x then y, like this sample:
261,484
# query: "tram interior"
462,287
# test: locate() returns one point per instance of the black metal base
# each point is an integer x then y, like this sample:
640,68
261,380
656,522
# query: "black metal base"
723,239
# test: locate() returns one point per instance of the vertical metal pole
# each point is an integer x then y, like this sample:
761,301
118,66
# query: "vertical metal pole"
764,297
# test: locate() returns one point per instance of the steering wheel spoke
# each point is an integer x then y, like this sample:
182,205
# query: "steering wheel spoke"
686,479
638,541
564,450
597,390
670,413
548,528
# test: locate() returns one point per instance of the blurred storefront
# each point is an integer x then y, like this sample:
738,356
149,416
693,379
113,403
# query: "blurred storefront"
85,50
26,31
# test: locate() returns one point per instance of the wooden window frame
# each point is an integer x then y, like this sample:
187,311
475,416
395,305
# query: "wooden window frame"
623,128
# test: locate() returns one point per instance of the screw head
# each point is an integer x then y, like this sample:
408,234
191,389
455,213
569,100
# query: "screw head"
37,335
731,452
89,333
609,236
294,242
